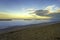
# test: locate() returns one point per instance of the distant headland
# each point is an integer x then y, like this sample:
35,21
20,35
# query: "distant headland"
5,19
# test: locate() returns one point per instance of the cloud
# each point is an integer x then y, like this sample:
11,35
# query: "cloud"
54,16
41,12
58,10
28,10
49,7
49,11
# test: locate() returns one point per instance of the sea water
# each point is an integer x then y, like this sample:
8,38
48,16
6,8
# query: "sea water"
6,24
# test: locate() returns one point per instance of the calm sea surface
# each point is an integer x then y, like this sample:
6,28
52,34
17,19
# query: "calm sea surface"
5,24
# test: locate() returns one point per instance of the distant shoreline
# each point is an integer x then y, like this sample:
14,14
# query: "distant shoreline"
5,19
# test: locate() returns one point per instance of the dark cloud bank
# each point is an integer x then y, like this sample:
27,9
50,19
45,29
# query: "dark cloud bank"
54,16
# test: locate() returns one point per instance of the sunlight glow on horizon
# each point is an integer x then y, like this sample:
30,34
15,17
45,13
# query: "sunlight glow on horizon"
26,12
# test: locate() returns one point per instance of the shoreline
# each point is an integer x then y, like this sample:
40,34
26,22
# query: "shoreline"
16,28
34,32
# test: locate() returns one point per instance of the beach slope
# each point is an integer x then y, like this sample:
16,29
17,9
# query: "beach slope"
47,32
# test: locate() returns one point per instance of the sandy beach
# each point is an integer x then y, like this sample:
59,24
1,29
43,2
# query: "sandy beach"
46,31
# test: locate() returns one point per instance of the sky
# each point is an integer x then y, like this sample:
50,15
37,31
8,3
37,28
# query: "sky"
21,7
